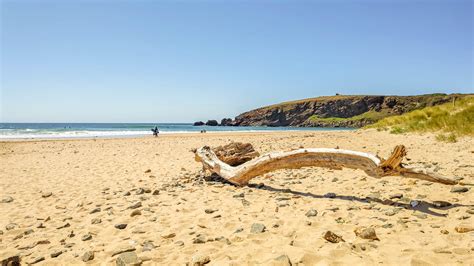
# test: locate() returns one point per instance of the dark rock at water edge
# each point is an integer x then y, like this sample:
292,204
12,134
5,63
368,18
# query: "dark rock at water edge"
212,123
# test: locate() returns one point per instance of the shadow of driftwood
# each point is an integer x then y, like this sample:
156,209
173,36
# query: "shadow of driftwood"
421,206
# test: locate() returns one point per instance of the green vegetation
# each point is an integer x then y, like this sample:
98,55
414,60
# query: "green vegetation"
456,119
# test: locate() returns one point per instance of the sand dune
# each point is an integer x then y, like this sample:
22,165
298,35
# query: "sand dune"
95,201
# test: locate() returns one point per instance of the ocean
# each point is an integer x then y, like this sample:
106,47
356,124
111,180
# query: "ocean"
92,130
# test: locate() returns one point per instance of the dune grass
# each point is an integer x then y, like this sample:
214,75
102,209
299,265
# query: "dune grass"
450,120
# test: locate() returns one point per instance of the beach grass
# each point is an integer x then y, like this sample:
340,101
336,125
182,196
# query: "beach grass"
450,120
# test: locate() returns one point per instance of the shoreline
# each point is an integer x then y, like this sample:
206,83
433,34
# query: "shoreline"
183,133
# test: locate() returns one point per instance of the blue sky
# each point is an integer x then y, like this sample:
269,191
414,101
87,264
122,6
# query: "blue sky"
182,61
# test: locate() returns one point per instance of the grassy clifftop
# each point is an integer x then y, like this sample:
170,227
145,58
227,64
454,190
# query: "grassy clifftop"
450,119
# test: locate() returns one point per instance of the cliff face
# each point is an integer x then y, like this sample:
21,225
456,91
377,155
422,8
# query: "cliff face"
337,111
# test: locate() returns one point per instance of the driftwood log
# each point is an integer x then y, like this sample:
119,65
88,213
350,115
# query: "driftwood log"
320,157
235,153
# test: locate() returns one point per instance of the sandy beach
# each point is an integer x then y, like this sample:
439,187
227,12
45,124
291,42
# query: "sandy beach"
88,201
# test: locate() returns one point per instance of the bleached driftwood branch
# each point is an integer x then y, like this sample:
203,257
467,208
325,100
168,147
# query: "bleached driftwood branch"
319,157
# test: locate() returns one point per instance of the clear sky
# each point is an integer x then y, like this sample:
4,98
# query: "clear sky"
182,61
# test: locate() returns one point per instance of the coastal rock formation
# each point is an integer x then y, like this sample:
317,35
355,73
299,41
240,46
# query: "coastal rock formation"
212,123
338,111
226,122
199,123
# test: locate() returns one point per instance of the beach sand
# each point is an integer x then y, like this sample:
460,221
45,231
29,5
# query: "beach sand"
64,198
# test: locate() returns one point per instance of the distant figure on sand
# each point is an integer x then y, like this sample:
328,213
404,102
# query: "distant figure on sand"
155,131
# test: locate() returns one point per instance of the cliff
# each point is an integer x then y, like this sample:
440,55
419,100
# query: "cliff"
338,111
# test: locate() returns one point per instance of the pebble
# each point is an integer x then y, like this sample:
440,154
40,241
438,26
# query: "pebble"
127,259
458,189
366,233
396,196
95,210
200,239
148,246
179,243
10,226
240,195
46,194
209,211
311,213
86,237
56,253
464,228
171,235
121,226
140,191
122,249
87,256
420,215
7,199
156,192
96,221
332,237
135,213
282,260
257,228
136,205
36,260
127,193
200,260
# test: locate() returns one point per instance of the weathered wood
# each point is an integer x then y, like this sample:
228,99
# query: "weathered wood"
235,153
319,157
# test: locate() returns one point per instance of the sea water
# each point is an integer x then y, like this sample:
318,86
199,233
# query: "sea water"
92,130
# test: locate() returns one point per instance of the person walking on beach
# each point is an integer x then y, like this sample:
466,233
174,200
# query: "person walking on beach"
155,131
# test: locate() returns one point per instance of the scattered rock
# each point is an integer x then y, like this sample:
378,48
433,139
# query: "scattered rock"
311,213
7,199
122,249
282,260
366,233
96,221
135,213
257,228
240,195
209,211
136,205
148,171
36,260
87,256
171,235
63,226
464,228
127,193
86,237
56,253
148,246
420,215
179,243
458,189
332,237
95,210
200,239
121,226
199,260
46,194
10,226
127,259
11,261
156,192
396,196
